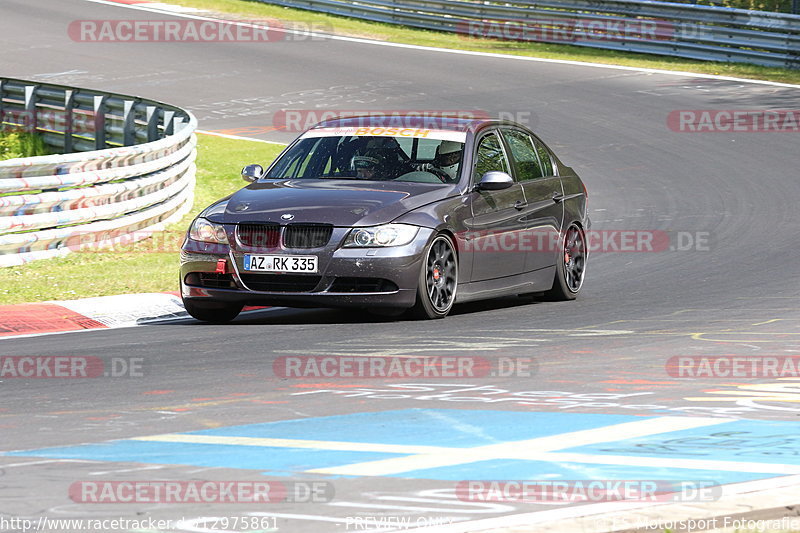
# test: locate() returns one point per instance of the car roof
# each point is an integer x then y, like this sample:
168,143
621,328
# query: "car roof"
407,121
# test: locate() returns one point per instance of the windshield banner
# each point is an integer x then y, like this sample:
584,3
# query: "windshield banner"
410,133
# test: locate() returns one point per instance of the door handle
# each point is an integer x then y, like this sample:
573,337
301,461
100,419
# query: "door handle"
520,205
557,197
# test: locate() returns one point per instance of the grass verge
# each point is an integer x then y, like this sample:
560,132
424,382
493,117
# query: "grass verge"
20,144
251,10
150,265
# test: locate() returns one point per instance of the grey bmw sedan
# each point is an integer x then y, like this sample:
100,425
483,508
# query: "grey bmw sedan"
392,214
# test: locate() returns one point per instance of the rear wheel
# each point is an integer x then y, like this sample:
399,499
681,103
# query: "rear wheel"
438,280
214,312
570,266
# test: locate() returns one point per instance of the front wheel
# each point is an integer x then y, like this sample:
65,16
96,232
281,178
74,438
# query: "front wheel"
570,266
438,280
214,312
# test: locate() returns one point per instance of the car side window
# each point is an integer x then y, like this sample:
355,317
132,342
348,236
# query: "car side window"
544,158
303,160
524,154
489,156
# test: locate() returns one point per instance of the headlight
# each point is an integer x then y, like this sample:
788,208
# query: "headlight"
204,231
386,235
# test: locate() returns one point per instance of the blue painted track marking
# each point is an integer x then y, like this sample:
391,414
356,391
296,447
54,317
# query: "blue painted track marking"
500,469
742,440
607,454
278,461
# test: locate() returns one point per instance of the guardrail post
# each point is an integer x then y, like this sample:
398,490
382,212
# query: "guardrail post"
152,123
796,7
69,104
2,105
30,109
177,124
169,123
128,125
100,122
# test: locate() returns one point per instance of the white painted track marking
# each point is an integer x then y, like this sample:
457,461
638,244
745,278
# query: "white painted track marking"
525,449
290,443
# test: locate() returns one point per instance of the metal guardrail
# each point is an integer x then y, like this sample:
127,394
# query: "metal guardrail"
125,169
683,30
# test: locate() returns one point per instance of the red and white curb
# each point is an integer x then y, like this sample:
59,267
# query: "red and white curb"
102,312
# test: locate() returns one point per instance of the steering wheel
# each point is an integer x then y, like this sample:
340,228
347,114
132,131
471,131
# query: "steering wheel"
439,173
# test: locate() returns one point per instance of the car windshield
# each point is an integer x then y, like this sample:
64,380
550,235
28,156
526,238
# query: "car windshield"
377,158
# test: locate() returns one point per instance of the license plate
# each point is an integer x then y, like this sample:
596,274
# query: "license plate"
280,263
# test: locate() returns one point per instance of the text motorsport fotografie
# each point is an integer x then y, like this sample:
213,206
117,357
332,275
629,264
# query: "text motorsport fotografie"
437,367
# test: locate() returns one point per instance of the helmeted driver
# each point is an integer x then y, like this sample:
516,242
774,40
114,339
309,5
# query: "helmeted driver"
448,157
368,166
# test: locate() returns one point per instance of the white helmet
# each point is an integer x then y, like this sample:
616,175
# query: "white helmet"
448,157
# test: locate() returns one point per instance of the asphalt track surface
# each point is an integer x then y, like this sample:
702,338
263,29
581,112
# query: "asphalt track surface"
604,354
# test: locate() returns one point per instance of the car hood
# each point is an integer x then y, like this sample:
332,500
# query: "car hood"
337,202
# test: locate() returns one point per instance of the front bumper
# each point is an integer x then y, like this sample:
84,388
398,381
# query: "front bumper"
347,277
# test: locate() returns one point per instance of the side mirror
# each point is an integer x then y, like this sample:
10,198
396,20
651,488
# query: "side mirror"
252,172
494,180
